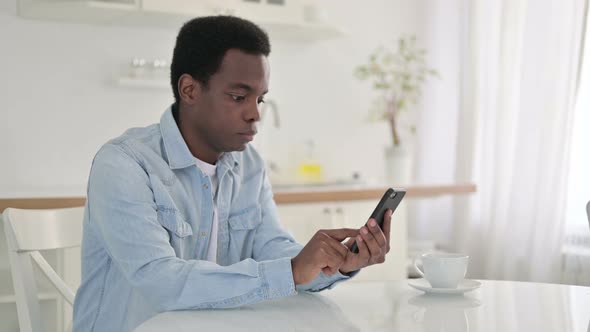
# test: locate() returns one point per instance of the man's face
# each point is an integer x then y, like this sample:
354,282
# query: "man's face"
226,111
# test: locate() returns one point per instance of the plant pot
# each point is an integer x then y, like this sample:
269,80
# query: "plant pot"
398,166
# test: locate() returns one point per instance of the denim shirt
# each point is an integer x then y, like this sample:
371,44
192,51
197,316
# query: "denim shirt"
147,221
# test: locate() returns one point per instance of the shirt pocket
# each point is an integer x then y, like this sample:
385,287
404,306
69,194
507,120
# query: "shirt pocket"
247,219
174,222
242,230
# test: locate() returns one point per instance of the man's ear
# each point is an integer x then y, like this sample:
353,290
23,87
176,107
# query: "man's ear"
189,89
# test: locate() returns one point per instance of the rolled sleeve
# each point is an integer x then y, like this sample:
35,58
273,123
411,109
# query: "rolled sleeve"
278,277
324,281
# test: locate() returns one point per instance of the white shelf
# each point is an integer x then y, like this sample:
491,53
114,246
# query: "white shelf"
89,11
7,291
302,31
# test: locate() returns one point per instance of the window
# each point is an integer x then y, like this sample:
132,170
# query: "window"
579,170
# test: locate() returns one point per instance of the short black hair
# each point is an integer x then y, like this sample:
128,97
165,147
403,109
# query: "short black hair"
202,43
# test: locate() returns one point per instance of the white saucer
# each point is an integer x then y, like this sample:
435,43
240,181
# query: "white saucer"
465,285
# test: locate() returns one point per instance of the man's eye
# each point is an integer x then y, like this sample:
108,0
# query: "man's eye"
237,98
260,101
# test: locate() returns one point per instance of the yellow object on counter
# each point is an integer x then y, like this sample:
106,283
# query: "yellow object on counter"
310,172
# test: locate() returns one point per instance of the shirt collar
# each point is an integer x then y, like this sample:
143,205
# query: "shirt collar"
176,150
230,160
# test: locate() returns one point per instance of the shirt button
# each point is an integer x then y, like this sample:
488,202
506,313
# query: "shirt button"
203,233
205,186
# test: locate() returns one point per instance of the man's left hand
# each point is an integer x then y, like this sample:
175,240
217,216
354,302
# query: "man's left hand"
373,244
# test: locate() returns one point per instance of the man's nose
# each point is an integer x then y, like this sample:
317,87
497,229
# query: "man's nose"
253,113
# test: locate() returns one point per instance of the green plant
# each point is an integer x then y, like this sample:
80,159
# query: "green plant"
397,76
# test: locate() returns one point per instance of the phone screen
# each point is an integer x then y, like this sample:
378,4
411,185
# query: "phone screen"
390,200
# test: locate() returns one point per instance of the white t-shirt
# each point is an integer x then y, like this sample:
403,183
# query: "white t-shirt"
209,170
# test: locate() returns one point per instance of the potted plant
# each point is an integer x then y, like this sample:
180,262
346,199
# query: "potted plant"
397,77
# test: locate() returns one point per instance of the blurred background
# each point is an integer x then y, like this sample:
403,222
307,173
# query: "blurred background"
492,95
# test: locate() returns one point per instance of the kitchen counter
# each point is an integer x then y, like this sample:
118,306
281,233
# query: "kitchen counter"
290,195
312,194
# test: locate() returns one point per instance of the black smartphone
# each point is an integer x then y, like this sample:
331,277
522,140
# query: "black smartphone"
390,200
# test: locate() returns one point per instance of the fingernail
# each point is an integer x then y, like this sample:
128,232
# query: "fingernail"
364,231
372,223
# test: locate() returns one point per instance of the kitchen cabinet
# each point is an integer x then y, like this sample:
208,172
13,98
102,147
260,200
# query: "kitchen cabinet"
287,11
282,19
303,220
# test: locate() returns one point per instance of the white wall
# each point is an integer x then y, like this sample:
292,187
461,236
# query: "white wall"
59,104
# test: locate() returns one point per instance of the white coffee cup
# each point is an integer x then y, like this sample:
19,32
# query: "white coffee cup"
443,270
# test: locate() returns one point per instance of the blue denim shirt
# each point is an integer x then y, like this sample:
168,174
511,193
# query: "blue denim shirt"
147,221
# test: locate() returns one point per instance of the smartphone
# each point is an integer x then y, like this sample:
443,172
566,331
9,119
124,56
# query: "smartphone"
390,200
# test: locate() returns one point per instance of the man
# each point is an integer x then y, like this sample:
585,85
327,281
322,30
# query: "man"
180,214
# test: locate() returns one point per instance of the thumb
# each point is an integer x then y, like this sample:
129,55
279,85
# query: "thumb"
348,243
341,233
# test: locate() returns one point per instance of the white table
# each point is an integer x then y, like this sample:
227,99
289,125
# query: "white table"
394,306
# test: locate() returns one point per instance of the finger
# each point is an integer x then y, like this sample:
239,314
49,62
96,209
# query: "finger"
332,257
371,243
387,227
340,233
329,271
377,233
364,253
332,251
335,244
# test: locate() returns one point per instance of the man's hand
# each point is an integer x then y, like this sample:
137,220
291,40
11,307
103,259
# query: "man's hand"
373,244
323,253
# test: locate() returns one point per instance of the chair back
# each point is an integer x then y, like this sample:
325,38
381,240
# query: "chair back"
28,232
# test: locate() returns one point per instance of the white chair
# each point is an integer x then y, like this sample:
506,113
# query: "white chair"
27,232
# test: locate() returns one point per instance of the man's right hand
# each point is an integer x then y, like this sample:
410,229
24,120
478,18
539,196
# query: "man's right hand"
323,253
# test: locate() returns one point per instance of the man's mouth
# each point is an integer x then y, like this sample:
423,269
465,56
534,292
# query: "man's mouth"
249,135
